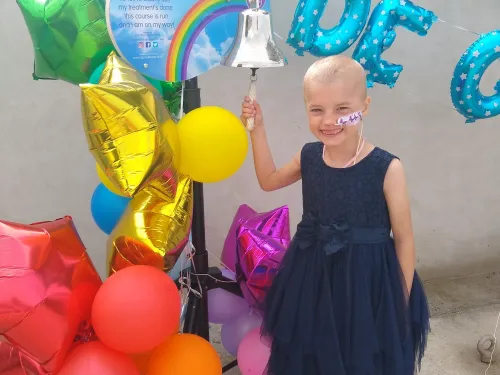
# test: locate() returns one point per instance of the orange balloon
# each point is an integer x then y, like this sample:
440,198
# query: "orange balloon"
136,309
95,358
185,354
142,361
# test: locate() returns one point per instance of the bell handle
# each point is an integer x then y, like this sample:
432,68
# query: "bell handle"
252,94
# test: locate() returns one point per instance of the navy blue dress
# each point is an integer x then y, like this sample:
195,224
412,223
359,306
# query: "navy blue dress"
338,304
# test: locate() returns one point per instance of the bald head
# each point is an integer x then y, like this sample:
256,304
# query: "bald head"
334,68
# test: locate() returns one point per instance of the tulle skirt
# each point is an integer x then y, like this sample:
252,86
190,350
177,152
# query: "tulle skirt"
344,313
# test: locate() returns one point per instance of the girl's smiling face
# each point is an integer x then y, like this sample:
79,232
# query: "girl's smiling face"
327,102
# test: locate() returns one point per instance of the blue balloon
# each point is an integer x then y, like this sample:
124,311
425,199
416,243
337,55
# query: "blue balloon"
380,34
182,264
465,93
107,208
307,35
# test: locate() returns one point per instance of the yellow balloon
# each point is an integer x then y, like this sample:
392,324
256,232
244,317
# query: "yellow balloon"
169,131
106,181
214,144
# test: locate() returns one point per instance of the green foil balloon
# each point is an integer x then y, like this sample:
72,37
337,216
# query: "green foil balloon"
70,37
172,96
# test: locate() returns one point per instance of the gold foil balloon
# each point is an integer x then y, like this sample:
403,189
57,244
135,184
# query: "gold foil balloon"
128,129
153,230
105,180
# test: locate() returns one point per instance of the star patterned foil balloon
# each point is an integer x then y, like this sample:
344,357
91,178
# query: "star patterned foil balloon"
380,34
129,130
48,285
153,230
275,223
70,37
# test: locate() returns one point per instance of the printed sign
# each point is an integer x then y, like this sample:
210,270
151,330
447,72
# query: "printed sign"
174,40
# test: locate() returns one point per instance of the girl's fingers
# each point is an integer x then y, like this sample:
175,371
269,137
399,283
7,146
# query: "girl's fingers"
248,110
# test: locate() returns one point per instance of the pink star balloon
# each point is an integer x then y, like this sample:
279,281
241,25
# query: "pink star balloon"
47,284
275,224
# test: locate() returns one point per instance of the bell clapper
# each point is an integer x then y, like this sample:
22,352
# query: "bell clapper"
252,93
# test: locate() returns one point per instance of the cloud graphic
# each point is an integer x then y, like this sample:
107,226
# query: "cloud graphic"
226,45
204,56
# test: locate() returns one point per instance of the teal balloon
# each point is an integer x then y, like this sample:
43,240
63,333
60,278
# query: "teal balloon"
380,33
326,42
107,208
96,75
466,94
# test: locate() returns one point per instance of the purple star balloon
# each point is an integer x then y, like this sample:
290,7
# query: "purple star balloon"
275,224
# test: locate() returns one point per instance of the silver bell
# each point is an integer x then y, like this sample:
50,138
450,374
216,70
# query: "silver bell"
254,45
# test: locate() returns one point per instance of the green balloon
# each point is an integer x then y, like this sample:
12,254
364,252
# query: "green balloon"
172,96
70,37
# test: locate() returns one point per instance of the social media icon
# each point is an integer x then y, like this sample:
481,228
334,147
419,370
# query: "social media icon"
141,45
155,44
148,44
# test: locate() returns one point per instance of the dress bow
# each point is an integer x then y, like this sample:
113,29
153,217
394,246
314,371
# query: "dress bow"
334,237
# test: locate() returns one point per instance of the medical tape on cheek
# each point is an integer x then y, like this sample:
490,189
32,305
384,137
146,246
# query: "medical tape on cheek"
352,119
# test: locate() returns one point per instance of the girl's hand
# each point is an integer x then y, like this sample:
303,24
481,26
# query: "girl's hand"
251,109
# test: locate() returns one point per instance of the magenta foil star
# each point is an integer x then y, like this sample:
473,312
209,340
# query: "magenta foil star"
275,223
254,247
259,258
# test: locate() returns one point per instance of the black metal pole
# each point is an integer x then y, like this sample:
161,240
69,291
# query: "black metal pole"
196,320
197,311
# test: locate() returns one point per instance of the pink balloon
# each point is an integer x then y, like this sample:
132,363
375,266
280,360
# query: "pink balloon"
253,354
234,331
95,358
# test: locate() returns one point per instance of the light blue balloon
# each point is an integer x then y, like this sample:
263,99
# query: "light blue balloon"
465,93
380,34
306,34
107,208
182,264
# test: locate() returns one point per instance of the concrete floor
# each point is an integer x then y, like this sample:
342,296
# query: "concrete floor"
463,310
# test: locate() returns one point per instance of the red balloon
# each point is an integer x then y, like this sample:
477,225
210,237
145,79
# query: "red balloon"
94,358
47,285
136,309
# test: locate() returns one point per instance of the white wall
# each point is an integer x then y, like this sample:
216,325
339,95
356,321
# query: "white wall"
47,172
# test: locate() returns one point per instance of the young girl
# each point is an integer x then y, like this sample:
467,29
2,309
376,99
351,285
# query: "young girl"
346,299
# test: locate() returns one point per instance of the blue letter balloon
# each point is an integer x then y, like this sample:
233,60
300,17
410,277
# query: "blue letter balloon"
380,34
307,35
107,208
465,93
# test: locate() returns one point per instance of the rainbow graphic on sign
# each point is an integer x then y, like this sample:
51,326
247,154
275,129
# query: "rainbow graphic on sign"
174,40
188,30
